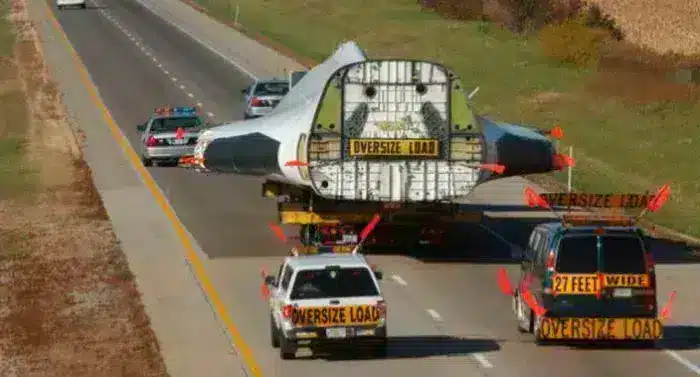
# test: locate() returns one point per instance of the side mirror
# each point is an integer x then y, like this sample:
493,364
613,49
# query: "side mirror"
379,275
271,280
141,127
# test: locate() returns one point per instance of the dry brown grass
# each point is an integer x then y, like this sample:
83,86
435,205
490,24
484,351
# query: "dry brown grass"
68,302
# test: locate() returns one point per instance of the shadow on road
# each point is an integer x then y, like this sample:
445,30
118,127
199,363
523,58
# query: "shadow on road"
403,347
673,252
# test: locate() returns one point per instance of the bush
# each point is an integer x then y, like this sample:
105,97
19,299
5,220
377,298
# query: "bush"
463,10
572,41
595,18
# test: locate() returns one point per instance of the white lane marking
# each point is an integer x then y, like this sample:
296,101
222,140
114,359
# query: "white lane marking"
174,79
482,360
148,53
201,42
155,60
399,280
166,72
190,95
436,316
210,115
182,87
199,104
682,360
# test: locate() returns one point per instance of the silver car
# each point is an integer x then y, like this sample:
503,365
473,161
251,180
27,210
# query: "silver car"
263,96
168,134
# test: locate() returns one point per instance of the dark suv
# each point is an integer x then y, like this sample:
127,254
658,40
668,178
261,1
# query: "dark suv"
589,282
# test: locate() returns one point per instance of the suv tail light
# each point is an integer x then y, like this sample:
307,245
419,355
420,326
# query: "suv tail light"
381,307
287,311
257,102
153,142
651,264
550,261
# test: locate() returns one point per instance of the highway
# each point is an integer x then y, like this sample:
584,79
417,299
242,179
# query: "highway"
445,318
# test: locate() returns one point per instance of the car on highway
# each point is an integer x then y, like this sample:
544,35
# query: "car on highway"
62,4
263,96
587,280
169,134
322,300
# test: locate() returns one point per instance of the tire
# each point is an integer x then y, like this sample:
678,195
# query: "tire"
146,161
274,334
287,348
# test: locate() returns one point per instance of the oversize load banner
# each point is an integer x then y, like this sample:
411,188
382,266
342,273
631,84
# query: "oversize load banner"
394,148
327,316
601,328
598,200
590,284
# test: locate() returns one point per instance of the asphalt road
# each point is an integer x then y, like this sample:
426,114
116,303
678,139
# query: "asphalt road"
445,318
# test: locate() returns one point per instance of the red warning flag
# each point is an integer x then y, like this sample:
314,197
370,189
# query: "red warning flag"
180,133
660,198
496,168
533,304
370,227
666,311
557,132
504,282
295,163
534,200
278,231
562,161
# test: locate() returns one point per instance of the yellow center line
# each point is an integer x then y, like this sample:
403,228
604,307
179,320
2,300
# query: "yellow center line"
135,161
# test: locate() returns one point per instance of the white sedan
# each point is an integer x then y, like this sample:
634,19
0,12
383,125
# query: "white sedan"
71,3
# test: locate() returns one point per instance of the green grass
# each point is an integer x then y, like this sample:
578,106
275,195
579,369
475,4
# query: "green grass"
618,146
16,176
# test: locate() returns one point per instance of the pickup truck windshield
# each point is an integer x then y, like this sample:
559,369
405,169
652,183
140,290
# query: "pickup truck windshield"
620,254
333,283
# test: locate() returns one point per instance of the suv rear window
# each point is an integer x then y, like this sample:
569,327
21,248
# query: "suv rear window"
173,123
578,255
622,255
619,255
272,88
333,283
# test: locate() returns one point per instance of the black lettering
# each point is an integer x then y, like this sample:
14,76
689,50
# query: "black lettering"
351,310
601,325
397,148
632,200
326,314
610,328
647,330
565,333
587,325
555,326
636,329
375,314
317,315
575,328
545,329
341,316
612,280
333,315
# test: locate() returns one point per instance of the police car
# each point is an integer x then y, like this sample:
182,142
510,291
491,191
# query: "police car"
169,134
324,299
588,278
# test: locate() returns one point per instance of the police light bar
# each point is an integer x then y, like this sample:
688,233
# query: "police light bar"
184,110
609,220
571,199
161,110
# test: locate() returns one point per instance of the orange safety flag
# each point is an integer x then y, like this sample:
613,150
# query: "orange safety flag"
561,161
660,198
666,311
533,304
533,200
278,231
295,163
180,133
557,132
496,168
370,227
264,291
504,282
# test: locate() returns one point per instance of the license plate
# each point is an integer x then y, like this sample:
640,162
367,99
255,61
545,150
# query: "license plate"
622,292
336,333
179,142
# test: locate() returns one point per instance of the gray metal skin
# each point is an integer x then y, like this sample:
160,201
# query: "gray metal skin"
165,153
265,146
270,100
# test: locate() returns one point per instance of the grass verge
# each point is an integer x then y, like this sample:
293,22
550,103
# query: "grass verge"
68,301
632,128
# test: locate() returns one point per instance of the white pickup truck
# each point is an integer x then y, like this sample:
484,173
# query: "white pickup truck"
325,299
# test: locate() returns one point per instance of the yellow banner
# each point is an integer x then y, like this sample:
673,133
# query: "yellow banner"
589,284
601,328
394,147
598,200
336,316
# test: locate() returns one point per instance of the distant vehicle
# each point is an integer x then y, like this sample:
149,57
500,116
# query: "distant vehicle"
324,299
169,134
591,279
61,4
263,96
